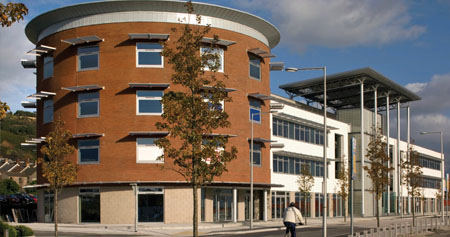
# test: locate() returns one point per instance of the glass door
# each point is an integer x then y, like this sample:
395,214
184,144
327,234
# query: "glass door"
223,206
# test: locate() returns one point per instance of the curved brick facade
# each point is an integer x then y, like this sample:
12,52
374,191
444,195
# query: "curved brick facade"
117,167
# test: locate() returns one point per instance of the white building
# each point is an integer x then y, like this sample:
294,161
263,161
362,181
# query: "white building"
290,125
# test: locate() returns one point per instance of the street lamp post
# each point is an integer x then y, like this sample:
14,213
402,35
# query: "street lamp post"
251,159
325,165
442,169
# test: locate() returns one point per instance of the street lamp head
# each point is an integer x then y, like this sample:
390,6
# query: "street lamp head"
291,69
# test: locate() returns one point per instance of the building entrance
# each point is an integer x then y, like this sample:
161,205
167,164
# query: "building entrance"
223,206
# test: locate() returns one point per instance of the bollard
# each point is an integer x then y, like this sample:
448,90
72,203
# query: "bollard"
395,230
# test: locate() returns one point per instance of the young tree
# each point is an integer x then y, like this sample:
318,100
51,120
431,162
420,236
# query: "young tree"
377,171
305,183
344,187
438,196
58,171
12,12
9,186
412,177
193,113
3,109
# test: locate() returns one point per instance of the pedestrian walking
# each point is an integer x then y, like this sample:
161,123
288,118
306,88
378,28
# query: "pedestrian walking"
292,216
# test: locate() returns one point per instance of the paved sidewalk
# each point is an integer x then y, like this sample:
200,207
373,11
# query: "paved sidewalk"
208,229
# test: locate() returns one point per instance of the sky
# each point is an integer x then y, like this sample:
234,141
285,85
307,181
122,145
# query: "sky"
407,41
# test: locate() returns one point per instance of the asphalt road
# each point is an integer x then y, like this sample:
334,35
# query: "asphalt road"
335,231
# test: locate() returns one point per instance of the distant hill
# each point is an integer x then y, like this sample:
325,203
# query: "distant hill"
15,129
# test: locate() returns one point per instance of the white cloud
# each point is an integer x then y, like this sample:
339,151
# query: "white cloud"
339,23
416,87
15,82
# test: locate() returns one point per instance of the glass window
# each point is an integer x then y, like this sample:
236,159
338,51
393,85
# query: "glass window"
149,102
88,104
255,67
89,205
48,67
150,204
48,206
219,107
147,151
256,153
219,52
149,55
88,151
88,58
48,111
255,111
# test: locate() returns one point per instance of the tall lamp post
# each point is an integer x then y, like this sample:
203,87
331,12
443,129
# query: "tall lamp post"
275,108
442,169
325,165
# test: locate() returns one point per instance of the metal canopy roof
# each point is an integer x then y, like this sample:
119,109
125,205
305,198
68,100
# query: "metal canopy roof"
87,135
261,53
260,139
224,89
221,42
28,104
40,95
276,66
83,88
83,40
260,96
26,63
148,85
343,89
40,50
218,134
149,133
148,36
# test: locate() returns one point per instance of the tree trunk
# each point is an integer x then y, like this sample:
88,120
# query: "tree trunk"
345,210
55,210
414,210
306,211
378,212
195,217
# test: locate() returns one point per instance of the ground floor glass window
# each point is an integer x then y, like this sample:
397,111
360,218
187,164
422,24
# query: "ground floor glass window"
305,207
223,205
150,204
280,200
89,205
48,206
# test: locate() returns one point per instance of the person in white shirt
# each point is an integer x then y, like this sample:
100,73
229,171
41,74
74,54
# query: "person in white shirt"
292,216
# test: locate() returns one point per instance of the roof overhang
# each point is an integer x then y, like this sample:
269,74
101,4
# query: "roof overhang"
276,66
260,96
223,89
28,104
41,50
343,89
218,134
41,94
26,63
262,140
39,27
261,53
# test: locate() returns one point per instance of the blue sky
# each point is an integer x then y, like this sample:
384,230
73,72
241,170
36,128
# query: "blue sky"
407,41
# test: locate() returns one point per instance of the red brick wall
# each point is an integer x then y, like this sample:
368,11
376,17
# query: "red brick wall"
118,102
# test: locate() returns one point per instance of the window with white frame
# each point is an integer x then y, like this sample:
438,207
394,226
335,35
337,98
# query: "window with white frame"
149,102
256,153
88,104
89,151
48,111
255,67
48,67
147,151
255,111
149,55
217,51
88,58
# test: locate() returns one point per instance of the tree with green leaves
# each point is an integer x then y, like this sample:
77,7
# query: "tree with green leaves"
412,177
3,109
192,114
12,12
344,186
58,171
378,170
305,182
9,186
